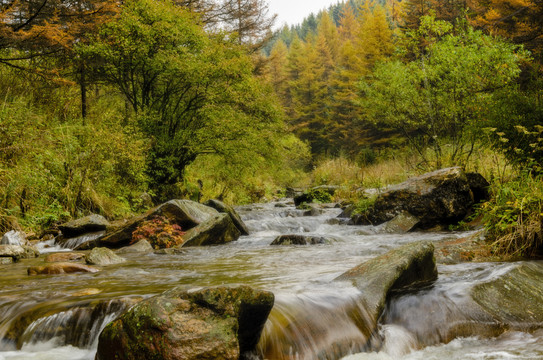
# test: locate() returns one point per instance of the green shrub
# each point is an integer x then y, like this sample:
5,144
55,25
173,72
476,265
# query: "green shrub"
514,217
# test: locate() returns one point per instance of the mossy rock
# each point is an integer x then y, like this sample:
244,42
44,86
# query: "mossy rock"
208,324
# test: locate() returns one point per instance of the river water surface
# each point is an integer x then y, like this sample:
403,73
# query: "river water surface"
59,317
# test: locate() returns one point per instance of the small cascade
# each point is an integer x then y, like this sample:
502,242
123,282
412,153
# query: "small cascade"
78,326
74,242
307,328
29,324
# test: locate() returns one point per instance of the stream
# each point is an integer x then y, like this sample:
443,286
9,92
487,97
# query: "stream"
59,317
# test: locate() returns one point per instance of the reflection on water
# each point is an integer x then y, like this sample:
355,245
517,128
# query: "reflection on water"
313,317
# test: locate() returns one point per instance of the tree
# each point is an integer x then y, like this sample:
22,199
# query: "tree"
519,20
38,36
191,92
436,98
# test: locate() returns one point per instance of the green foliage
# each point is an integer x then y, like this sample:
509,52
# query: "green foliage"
438,98
514,127
514,217
54,166
193,93
245,177
159,232
319,195
363,204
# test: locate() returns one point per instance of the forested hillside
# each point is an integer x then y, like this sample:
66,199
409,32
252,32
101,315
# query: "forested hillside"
435,83
105,105
342,74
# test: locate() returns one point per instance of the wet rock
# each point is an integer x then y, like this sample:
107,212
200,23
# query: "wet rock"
479,187
6,260
441,197
75,325
17,252
82,242
401,224
90,223
184,213
209,324
103,257
509,300
142,246
13,237
300,240
61,268
313,210
514,298
223,208
471,247
218,230
170,251
410,265
64,257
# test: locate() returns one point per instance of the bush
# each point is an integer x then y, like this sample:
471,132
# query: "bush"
514,217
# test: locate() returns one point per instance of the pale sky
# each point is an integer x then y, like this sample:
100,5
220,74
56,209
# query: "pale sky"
293,12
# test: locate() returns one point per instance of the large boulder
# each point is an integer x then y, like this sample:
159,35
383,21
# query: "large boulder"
103,257
13,237
223,208
219,323
441,197
410,265
510,298
219,229
16,252
515,298
184,213
87,224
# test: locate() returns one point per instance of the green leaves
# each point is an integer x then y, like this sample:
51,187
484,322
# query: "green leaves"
438,97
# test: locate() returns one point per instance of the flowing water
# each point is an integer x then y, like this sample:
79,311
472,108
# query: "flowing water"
59,317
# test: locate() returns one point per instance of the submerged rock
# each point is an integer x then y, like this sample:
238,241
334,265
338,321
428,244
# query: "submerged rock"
102,257
142,246
64,257
223,208
61,268
410,265
208,324
401,224
217,230
90,223
441,197
300,240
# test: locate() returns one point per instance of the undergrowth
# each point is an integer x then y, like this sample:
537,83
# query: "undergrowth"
514,217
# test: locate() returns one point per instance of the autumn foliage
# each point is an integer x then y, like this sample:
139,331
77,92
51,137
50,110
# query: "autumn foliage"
159,232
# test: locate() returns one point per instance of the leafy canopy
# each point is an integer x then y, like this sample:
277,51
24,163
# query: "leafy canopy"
193,93
438,96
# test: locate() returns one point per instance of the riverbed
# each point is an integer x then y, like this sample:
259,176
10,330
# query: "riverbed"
59,317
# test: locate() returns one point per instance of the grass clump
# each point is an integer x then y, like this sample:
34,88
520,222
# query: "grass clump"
514,217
